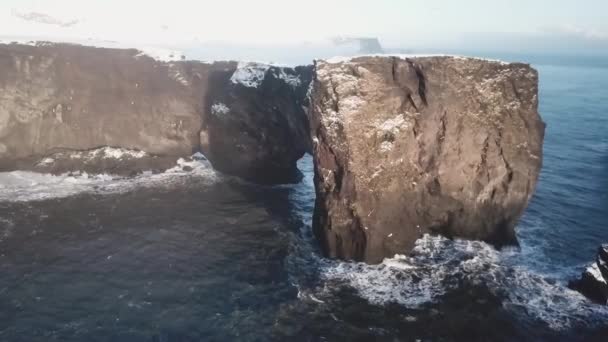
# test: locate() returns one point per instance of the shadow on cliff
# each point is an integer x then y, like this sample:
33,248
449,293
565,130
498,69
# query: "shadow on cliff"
253,126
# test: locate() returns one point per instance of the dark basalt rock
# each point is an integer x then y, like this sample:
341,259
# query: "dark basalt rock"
594,280
404,147
256,125
62,97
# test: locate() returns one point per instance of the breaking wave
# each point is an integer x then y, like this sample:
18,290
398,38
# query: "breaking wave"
22,186
438,265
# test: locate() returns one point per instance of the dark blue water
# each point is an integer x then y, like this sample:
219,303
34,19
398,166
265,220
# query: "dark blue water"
568,216
201,257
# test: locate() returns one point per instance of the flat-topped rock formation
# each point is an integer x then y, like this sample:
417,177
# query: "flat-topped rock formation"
408,146
60,98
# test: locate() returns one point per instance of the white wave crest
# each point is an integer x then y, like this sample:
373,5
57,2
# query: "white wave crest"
22,186
437,265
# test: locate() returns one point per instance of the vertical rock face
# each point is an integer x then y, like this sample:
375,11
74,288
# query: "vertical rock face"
408,146
58,98
256,125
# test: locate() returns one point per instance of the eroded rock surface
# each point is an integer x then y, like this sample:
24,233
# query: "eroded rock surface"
61,98
408,146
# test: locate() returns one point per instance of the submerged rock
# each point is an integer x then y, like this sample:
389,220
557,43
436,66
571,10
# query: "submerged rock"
594,280
408,146
60,97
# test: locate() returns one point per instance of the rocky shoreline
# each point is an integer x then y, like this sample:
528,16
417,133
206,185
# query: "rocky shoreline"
402,145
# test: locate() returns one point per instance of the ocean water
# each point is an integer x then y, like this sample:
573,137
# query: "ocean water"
197,256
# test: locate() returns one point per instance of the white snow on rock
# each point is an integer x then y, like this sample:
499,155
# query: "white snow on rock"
595,272
292,80
22,42
219,109
249,74
342,59
155,52
161,54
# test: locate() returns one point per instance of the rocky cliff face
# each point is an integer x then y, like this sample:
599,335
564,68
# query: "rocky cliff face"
402,147
408,146
57,98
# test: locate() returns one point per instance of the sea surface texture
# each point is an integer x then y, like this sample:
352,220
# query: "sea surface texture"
197,256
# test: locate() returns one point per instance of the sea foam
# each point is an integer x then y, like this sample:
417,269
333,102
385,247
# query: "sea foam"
438,265
23,186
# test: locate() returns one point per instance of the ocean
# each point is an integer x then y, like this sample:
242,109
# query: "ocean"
199,256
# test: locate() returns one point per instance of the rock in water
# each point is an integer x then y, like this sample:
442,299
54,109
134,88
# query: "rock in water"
408,146
594,280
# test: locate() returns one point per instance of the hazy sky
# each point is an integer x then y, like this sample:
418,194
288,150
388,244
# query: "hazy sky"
430,23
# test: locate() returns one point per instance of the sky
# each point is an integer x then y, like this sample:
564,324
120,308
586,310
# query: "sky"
431,24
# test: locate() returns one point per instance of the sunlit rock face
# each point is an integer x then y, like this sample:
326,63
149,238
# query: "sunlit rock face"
59,100
405,146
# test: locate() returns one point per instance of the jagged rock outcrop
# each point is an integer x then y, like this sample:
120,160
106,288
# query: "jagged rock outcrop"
57,99
594,280
408,146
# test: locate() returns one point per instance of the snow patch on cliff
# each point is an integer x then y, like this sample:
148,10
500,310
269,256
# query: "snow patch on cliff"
343,59
249,74
219,109
292,80
22,42
160,54
595,272
154,52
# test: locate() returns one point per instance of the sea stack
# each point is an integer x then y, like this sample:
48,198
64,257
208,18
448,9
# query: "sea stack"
406,146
